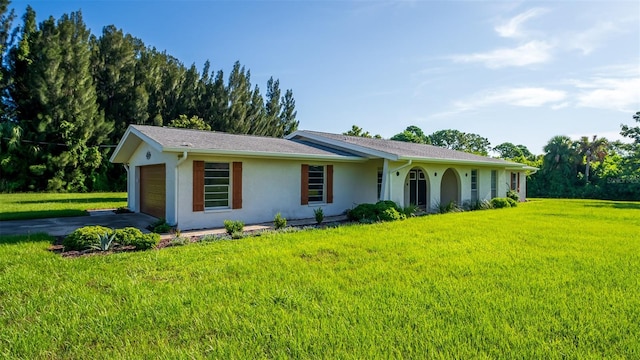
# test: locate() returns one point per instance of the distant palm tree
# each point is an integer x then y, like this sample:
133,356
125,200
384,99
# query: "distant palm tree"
595,149
561,154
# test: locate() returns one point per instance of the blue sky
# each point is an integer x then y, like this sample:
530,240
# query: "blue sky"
509,71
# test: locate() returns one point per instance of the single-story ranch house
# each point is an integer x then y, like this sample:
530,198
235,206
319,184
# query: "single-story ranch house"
197,179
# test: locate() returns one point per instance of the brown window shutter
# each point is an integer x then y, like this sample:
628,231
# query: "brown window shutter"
237,186
198,186
304,185
329,184
518,175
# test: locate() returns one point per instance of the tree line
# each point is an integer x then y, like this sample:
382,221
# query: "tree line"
589,167
67,96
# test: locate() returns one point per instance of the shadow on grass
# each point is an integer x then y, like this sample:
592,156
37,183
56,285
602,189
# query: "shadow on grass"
17,239
615,205
74,200
41,214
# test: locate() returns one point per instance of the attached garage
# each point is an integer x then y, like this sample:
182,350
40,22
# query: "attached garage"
153,190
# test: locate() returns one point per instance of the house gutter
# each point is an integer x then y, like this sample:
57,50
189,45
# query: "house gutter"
185,154
395,170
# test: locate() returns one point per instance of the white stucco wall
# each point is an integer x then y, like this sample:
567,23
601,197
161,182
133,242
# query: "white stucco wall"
270,186
397,182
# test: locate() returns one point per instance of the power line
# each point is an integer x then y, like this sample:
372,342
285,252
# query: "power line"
57,144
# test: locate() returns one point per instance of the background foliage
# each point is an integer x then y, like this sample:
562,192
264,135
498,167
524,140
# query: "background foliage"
67,96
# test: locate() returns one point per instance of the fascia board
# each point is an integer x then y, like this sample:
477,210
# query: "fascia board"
259,154
344,145
505,165
132,131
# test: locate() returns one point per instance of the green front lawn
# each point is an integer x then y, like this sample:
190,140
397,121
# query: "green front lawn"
549,279
46,205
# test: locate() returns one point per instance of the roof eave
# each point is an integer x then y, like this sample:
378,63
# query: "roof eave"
264,154
128,145
506,165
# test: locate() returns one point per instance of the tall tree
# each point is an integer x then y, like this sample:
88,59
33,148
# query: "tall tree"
592,150
57,105
461,141
358,131
288,122
412,134
508,150
559,165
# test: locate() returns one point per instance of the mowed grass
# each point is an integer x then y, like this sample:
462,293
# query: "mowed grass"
551,279
46,205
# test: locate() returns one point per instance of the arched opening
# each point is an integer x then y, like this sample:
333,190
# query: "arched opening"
416,189
449,187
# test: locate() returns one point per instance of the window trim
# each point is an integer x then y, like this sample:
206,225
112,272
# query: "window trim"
474,185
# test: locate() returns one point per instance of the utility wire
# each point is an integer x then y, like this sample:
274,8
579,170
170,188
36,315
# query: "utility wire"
57,144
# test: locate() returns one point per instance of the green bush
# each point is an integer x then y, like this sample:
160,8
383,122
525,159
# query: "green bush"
381,211
512,194
362,211
318,213
160,227
233,226
146,241
499,203
85,237
391,214
279,222
410,210
127,236
512,202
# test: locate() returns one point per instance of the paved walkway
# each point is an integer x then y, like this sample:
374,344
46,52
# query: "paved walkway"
258,227
66,225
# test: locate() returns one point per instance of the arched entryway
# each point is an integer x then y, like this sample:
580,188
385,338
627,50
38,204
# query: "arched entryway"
416,189
449,187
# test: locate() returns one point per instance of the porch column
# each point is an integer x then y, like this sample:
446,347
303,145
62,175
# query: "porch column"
385,180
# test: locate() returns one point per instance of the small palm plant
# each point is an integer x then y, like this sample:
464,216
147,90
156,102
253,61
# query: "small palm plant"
105,242
319,215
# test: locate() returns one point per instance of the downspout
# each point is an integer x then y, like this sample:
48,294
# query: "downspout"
395,170
177,187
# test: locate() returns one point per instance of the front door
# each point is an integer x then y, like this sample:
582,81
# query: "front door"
418,189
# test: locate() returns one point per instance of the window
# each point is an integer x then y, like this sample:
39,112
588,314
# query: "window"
494,183
216,185
379,182
316,183
514,181
474,185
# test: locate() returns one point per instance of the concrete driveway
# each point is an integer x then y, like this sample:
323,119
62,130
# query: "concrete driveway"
66,225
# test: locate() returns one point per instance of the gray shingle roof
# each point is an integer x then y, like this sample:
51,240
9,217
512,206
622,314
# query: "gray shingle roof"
406,149
186,139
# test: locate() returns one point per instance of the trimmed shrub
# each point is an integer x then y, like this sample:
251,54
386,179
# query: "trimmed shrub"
233,227
279,222
381,211
362,211
512,202
127,236
512,194
499,203
391,214
85,237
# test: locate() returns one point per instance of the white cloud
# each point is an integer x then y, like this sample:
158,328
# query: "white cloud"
523,97
620,94
533,52
560,106
512,28
587,41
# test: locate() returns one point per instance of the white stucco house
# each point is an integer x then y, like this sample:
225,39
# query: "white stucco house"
197,179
